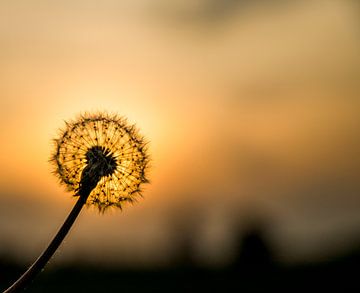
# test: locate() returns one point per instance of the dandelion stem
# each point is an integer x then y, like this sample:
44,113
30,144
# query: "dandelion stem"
43,259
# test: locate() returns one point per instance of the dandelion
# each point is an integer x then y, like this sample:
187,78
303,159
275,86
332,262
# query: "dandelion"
103,153
103,160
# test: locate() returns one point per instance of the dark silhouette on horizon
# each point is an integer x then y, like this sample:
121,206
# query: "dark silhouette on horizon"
252,269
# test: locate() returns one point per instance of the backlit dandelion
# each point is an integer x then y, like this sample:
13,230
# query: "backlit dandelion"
103,160
105,150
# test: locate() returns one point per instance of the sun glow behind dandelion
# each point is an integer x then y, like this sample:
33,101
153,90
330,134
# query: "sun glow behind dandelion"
104,146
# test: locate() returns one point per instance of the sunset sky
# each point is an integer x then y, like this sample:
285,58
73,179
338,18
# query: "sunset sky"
251,110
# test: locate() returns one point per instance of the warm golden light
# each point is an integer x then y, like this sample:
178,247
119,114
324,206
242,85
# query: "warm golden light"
250,107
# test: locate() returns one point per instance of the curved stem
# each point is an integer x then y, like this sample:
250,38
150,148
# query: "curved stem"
43,259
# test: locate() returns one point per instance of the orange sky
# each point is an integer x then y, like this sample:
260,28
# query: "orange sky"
250,110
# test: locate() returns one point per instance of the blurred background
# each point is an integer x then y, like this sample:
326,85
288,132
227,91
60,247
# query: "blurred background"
252,113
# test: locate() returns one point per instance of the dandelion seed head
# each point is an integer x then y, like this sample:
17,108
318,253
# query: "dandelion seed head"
105,153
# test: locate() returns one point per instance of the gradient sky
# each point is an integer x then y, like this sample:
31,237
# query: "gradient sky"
251,111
